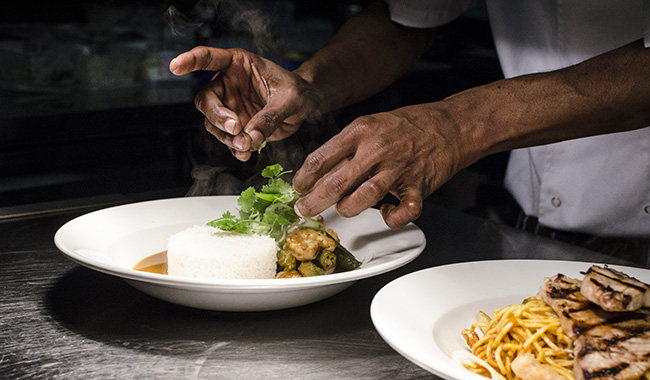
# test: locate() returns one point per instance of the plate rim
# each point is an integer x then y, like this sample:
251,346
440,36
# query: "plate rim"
449,371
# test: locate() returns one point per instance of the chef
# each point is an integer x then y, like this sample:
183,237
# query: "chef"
574,109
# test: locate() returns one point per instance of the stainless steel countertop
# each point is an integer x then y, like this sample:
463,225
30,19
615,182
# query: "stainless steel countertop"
60,320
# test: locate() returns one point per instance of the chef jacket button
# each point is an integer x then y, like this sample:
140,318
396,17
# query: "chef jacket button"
647,209
556,202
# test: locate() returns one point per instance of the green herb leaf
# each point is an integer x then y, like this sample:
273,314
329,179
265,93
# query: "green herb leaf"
272,171
267,212
247,199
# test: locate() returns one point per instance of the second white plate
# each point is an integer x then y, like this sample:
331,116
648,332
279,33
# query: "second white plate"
421,315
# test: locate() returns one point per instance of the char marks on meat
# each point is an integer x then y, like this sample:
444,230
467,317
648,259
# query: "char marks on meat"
607,345
613,290
577,314
618,351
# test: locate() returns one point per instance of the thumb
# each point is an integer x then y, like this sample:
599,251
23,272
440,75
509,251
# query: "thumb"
261,126
201,58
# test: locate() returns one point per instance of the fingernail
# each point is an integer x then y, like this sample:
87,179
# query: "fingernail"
172,65
256,137
229,126
295,208
238,142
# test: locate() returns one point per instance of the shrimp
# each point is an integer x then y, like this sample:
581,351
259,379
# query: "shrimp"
305,243
288,274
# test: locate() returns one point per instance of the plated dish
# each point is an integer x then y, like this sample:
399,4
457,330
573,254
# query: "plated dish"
421,315
113,240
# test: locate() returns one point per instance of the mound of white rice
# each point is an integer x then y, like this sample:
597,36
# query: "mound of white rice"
207,252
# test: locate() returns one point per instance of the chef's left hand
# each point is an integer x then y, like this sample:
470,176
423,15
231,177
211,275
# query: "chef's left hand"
251,99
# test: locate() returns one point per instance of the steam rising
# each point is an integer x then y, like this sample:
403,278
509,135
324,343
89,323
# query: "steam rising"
215,171
252,20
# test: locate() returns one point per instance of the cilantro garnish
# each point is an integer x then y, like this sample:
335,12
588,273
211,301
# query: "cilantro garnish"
267,212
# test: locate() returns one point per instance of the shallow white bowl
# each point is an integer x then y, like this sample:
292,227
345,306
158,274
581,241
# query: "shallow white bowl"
113,240
421,315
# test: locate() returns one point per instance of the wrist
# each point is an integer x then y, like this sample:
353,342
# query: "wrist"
313,89
511,113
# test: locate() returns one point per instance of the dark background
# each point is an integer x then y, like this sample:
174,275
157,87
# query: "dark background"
88,108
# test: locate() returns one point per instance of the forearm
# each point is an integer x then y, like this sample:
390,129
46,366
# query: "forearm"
366,55
413,150
609,93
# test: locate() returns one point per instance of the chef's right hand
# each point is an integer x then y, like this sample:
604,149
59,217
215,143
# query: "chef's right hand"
250,100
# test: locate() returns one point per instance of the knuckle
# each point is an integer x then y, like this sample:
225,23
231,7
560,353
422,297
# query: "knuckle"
336,185
374,189
351,206
269,120
378,143
400,216
363,124
238,51
412,210
314,162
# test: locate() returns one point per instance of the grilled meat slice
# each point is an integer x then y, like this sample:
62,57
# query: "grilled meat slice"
613,290
577,314
607,345
614,351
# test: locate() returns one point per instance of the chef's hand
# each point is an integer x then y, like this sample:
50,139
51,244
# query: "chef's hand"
408,152
412,151
250,100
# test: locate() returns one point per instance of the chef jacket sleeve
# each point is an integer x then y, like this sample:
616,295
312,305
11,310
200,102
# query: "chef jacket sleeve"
427,13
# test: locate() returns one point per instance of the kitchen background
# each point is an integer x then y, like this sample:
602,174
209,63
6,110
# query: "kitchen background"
88,108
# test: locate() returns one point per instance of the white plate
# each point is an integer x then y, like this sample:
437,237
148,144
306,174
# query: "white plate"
113,240
422,314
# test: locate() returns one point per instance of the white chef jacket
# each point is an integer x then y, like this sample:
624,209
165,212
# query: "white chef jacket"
598,185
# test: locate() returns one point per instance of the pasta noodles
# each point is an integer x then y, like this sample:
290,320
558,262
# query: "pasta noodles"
530,327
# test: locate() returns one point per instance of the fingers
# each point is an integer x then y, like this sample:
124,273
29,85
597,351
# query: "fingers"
229,140
265,122
321,162
368,194
222,122
341,179
237,143
332,171
328,191
208,101
357,168
235,99
408,210
201,58
229,131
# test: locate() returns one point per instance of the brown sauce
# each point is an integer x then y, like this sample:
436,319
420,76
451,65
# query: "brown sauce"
156,263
